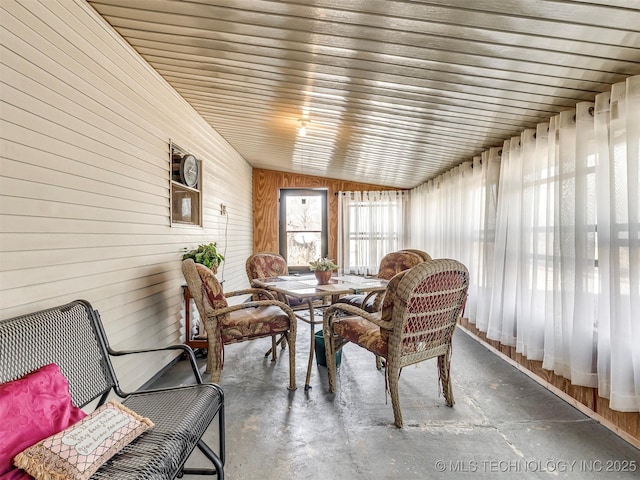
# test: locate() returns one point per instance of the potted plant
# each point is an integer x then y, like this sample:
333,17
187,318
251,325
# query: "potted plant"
206,254
322,267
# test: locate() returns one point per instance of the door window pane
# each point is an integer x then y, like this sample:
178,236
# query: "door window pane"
303,226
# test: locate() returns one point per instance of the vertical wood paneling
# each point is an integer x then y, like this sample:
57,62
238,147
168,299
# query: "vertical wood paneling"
84,180
266,187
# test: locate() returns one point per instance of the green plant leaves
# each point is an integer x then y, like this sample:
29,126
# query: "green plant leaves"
206,254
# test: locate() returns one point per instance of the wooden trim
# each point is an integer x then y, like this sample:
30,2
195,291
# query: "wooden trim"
624,424
266,185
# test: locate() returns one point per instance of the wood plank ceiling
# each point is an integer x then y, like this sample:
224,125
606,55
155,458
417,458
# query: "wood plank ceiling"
395,92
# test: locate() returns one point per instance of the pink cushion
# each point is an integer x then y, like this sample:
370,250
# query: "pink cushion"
31,409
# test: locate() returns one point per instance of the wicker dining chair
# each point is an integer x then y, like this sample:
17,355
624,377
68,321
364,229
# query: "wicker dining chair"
425,256
391,264
264,265
418,317
267,264
226,324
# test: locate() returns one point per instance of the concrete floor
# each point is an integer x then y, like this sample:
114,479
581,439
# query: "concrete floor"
504,425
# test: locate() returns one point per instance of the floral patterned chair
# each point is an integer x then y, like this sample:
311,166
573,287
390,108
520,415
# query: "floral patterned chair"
264,265
418,317
391,264
237,323
425,256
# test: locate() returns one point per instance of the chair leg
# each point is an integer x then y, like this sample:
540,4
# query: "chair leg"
292,360
274,349
444,367
330,354
378,362
393,374
213,458
214,362
215,376
281,342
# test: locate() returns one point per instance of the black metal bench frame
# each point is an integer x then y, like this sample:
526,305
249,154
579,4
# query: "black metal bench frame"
72,336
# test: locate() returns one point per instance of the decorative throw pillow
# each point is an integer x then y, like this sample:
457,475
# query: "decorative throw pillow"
32,408
78,451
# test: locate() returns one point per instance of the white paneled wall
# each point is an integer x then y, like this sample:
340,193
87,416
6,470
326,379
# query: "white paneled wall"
84,179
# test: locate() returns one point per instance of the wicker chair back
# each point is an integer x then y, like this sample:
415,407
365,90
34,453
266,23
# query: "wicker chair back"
426,307
265,264
419,314
261,317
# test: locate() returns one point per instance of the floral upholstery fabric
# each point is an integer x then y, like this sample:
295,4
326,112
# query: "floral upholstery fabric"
263,265
235,323
212,288
261,321
389,299
365,333
390,265
362,332
254,322
390,296
356,300
425,256
396,262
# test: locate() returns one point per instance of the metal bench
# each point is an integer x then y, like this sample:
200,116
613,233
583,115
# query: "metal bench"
72,337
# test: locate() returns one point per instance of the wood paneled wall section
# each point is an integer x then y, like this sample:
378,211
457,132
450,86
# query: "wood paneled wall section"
266,186
84,180
627,424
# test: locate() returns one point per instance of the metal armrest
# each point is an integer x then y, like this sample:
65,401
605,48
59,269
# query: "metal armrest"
178,346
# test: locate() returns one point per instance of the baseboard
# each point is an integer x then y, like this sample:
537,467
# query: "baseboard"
552,388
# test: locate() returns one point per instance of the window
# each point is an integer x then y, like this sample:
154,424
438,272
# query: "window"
370,225
303,226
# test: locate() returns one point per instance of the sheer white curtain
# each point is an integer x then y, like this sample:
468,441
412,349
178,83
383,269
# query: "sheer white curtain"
486,191
552,241
502,310
370,225
445,216
530,315
454,216
617,128
572,288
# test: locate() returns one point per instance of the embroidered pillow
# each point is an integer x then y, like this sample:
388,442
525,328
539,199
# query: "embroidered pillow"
78,451
32,408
